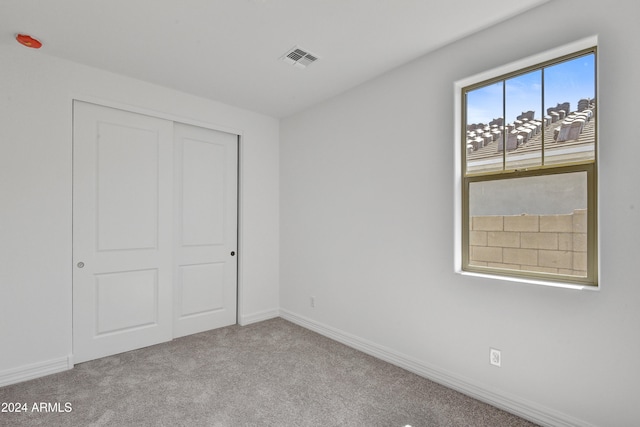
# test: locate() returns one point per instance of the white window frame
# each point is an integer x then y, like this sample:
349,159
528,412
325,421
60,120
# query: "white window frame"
458,173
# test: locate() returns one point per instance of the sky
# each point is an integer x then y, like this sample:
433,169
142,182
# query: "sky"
567,81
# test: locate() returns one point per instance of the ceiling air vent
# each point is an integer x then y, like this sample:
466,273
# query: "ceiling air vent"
299,57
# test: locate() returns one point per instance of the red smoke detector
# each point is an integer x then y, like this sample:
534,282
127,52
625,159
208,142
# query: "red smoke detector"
28,41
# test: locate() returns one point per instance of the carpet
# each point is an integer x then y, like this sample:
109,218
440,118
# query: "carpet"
271,373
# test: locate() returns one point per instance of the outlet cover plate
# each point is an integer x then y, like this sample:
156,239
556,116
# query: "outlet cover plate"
495,357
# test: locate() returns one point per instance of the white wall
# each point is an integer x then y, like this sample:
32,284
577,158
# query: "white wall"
367,220
35,197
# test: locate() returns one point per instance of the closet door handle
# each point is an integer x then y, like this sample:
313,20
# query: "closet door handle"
233,253
80,264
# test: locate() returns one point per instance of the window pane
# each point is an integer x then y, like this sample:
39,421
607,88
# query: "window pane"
533,224
570,108
524,120
484,128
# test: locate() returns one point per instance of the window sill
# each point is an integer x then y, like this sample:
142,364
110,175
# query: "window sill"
548,283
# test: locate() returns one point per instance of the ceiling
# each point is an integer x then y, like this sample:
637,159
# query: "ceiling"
229,50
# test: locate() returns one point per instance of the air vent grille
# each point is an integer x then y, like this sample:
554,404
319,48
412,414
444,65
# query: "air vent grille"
299,58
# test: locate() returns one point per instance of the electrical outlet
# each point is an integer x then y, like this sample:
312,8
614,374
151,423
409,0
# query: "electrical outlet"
495,357
312,302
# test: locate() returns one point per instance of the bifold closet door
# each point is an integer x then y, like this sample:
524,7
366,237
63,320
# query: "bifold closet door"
205,281
122,231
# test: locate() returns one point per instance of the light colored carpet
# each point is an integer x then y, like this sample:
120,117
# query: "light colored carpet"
272,373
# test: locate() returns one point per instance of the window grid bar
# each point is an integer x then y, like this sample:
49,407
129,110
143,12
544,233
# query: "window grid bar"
542,137
505,137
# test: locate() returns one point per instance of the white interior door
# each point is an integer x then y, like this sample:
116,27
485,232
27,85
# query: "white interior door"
122,231
205,275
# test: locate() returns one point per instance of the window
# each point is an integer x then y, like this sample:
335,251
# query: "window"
528,145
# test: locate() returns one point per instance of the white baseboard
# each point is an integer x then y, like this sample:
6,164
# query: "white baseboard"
35,370
521,407
258,317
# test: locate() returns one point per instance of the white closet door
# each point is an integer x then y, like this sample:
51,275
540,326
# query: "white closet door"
122,231
205,275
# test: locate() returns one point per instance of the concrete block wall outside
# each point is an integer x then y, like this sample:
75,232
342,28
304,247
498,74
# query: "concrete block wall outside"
546,243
